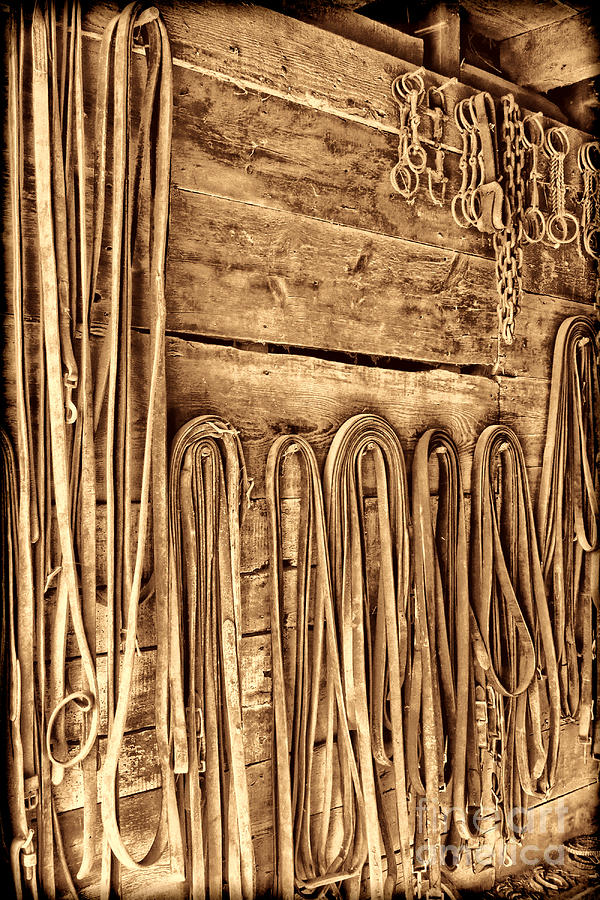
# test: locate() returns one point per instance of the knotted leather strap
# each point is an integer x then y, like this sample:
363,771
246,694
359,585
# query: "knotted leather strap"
304,858
373,652
442,694
569,510
123,579
511,623
207,487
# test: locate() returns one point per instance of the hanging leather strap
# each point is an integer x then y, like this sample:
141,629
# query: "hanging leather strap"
511,622
206,492
86,698
374,647
445,702
569,511
304,860
124,581
488,197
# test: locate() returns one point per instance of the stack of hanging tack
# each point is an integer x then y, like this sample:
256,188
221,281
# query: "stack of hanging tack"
430,657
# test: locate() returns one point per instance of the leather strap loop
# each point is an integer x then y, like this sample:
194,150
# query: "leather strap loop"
298,863
207,489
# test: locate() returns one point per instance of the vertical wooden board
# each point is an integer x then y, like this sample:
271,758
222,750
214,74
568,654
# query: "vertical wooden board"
524,406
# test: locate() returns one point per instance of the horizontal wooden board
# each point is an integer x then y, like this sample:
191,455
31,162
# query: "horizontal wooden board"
264,395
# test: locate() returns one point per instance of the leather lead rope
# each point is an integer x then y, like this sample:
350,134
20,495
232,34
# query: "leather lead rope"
445,702
511,626
305,860
151,163
24,775
374,641
569,513
60,263
207,488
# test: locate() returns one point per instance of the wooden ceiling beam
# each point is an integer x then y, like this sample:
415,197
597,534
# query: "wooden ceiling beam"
440,30
554,55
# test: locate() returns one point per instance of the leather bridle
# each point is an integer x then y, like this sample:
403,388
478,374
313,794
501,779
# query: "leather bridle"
148,162
511,628
208,491
442,698
373,644
569,514
301,862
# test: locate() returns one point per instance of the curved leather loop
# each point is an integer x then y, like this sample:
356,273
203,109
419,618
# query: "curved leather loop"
374,642
207,489
568,511
50,294
511,621
442,601
123,580
301,861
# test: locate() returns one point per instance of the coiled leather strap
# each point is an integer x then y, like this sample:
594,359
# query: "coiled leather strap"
569,510
511,622
302,860
207,486
373,651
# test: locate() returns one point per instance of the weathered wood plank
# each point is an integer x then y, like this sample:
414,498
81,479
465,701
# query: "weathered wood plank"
524,406
574,42
276,54
264,276
497,19
264,395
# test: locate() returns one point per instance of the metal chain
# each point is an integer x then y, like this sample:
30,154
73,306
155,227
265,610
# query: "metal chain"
563,226
588,160
508,243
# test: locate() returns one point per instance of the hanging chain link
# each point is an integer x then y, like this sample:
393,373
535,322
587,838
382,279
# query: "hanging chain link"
588,160
508,243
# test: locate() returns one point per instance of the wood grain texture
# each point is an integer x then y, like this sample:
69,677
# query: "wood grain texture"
498,19
574,53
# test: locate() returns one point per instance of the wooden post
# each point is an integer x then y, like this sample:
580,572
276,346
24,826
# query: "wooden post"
440,30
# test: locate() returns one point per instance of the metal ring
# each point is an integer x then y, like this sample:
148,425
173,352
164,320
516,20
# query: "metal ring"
591,240
584,156
418,153
563,220
557,131
397,92
408,176
534,224
416,76
455,216
530,142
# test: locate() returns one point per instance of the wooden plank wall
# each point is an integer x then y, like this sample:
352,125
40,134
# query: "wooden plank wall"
302,290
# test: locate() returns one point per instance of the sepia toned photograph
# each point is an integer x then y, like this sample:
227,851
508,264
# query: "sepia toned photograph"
300,450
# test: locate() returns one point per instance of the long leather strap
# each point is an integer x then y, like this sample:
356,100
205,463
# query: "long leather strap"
303,861
373,664
207,488
568,513
124,581
445,702
511,623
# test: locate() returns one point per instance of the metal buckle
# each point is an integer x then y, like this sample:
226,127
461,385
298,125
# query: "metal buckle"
31,793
